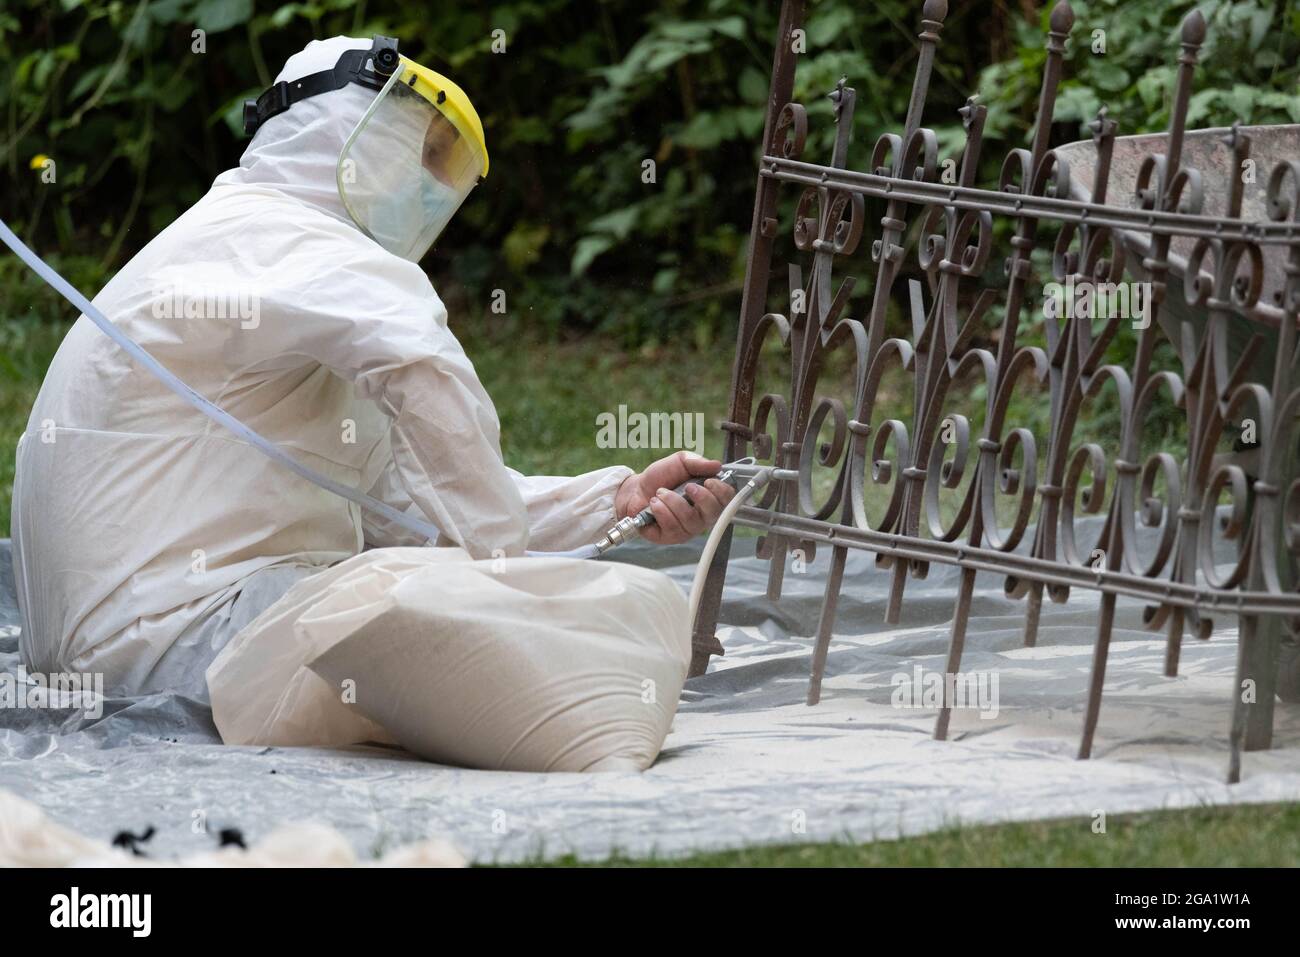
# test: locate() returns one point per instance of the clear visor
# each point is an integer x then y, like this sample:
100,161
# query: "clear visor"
405,170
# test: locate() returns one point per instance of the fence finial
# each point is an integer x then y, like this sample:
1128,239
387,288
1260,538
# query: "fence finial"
935,10
1194,28
1062,18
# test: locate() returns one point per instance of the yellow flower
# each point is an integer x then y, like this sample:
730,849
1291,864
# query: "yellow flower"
39,161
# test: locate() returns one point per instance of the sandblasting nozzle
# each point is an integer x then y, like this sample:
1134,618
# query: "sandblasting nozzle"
734,474
624,530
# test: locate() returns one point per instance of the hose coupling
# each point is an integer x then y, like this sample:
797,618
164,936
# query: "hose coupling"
623,531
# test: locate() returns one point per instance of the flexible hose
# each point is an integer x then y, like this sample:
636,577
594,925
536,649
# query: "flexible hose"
224,418
715,538
212,411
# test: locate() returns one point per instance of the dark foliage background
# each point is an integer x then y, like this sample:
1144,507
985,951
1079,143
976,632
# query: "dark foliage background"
138,124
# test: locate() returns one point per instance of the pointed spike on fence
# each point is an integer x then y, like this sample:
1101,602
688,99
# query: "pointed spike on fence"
932,14
1060,23
1062,18
1193,35
935,10
1194,28
1102,124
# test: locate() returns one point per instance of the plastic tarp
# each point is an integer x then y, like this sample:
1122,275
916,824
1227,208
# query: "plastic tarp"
28,838
747,762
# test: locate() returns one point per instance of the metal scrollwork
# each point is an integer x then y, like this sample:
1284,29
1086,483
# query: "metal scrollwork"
1059,504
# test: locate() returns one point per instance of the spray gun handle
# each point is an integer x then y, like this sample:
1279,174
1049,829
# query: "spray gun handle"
624,530
734,474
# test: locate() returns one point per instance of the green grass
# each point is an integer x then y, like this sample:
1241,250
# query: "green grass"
26,348
549,395
1259,835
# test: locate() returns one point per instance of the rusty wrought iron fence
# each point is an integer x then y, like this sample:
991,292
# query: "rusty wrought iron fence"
1212,255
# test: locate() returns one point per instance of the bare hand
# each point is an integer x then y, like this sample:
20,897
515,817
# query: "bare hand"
677,518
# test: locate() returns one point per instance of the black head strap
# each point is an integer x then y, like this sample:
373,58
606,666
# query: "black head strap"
370,68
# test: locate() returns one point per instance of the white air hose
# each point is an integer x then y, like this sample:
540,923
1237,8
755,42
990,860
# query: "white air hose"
224,418
760,479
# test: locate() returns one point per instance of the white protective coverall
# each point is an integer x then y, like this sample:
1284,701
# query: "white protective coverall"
146,537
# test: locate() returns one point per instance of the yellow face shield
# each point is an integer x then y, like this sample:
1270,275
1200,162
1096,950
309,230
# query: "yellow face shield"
411,161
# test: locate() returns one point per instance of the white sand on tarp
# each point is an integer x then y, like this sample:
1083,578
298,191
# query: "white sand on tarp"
748,762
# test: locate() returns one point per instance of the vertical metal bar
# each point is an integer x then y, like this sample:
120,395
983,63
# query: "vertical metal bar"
1018,268
826,624
1260,637
1113,548
1060,23
1174,642
704,641
1191,36
956,644
933,14
1100,651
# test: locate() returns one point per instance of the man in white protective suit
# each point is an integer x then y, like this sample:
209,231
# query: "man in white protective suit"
162,551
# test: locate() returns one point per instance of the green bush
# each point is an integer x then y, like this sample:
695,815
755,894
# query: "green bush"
586,92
